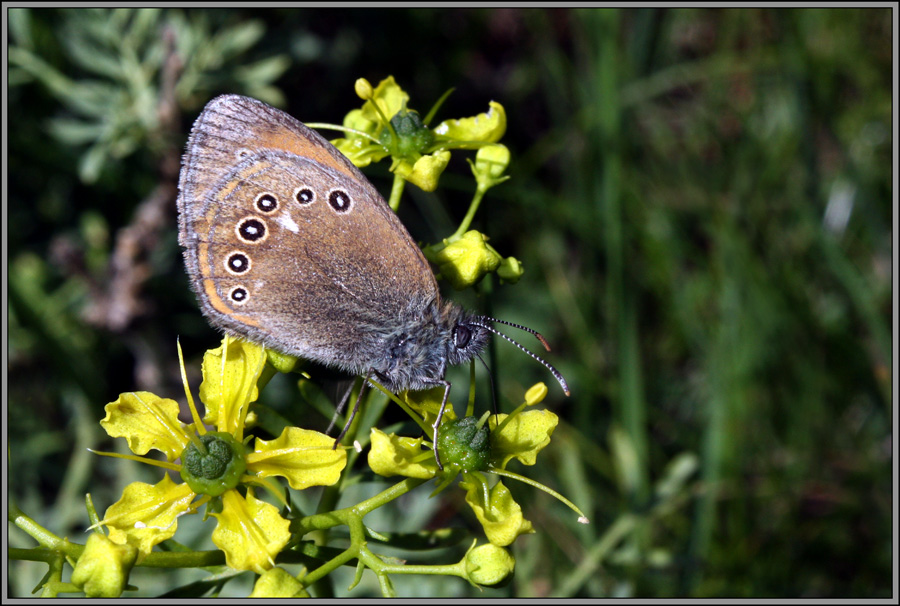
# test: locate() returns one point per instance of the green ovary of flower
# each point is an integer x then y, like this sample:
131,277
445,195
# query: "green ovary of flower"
465,445
217,470
413,137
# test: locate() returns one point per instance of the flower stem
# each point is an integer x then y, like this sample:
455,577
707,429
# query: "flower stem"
467,220
396,192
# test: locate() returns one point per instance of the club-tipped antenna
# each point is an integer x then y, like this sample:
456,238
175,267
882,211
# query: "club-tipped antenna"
480,323
539,336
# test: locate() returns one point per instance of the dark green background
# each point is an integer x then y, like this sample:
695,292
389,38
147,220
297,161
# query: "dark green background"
678,180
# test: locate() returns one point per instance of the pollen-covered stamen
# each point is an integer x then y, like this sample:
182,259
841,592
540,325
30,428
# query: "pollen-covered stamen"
218,469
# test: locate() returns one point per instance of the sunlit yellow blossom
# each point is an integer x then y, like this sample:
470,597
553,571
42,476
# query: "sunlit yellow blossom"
467,260
520,435
249,531
386,126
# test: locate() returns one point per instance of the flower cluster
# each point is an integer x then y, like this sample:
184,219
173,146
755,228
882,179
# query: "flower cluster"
472,448
386,127
219,468
215,463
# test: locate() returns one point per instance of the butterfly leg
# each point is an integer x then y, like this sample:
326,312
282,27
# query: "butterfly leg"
362,388
437,421
340,407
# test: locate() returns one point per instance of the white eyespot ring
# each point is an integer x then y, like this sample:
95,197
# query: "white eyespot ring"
238,295
237,263
251,230
340,201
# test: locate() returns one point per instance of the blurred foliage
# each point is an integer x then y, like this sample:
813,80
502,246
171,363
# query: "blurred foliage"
702,202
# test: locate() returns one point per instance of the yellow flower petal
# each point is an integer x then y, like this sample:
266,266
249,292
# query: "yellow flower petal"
250,532
500,516
390,99
426,171
147,514
146,421
477,130
391,455
428,403
229,385
305,457
360,150
526,434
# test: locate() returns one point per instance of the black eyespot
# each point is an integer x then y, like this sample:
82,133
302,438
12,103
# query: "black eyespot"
305,195
238,295
266,203
251,230
461,336
339,200
237,263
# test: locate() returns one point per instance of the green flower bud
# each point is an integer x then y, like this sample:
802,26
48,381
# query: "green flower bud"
278,583
465,445
535,394
510,270
218,469
467,260
491,161
489,564
282,362
363,89
103,568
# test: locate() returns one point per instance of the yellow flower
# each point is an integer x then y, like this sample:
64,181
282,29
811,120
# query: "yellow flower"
472,448
215,464
385,126
466,261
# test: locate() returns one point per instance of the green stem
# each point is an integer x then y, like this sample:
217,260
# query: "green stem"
346,516
343,129
44,537
396,192
467,220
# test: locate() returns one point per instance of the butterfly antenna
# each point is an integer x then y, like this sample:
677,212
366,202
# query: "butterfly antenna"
539,336
547,365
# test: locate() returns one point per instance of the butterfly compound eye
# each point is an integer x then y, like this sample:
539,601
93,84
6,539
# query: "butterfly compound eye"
461,336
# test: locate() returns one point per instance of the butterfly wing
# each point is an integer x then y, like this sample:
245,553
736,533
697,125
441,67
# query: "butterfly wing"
288,244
